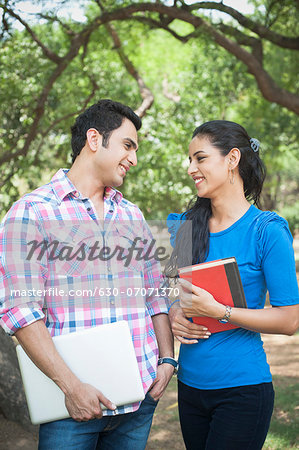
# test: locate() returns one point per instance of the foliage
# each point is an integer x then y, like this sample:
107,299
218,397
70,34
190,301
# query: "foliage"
191,82
291,213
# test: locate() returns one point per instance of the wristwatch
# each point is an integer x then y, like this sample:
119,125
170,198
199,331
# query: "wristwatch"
225,318
169,360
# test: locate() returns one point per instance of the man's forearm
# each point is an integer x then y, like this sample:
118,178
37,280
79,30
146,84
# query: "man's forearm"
165,343
163,334
38,344
81,400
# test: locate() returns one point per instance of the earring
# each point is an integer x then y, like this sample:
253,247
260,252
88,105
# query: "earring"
232,176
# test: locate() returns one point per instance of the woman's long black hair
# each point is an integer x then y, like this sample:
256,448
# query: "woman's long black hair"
224,135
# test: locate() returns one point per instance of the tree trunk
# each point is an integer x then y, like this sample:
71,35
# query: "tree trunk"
12,397
268,201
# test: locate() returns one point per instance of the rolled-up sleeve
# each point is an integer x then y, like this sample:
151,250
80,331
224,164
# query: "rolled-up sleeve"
22,271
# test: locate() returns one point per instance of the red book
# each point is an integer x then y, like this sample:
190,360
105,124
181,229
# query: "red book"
220,278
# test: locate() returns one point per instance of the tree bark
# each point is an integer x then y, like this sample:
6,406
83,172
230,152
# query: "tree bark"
12,397
261,30
266,84
269,89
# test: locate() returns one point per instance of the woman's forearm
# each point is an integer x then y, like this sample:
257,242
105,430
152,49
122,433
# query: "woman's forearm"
275,320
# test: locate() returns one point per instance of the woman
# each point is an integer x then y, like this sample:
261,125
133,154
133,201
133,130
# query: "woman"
224,389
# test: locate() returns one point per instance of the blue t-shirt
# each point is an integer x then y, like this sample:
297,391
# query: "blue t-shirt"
262,245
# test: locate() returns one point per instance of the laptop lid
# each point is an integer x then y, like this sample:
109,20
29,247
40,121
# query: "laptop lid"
102,356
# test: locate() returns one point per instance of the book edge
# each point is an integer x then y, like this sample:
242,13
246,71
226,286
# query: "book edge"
208,264
236,286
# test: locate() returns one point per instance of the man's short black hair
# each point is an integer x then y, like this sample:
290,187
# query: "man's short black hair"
105,116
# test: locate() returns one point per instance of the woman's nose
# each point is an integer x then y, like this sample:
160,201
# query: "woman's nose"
192,168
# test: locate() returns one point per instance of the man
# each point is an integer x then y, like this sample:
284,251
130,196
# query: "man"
104,144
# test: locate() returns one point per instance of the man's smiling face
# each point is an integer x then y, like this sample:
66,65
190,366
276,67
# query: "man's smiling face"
114,160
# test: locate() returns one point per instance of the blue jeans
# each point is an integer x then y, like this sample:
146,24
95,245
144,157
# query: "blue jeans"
124,431
235,418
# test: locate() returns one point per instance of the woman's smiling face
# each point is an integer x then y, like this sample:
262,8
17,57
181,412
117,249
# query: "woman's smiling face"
208,167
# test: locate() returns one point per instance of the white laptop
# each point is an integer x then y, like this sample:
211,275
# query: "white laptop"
102,356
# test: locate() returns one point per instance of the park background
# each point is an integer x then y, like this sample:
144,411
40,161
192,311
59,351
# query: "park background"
178,64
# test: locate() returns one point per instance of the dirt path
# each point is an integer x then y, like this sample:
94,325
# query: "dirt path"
283,357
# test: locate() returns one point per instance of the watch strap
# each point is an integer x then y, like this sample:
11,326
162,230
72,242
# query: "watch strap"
169,360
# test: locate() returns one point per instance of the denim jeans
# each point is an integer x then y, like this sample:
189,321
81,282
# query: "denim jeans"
235,418
124,431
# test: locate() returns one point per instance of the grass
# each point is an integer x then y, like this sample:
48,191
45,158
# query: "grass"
283,433
284,429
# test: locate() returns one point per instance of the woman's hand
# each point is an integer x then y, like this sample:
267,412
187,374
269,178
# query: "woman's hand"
197,302
185,331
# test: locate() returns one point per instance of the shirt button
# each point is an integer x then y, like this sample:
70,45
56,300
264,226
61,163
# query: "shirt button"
109,269
111,210
88,209
112,302
76,194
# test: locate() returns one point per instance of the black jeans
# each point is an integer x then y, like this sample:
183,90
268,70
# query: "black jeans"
235,418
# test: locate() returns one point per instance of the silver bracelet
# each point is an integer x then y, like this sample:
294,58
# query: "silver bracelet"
225,318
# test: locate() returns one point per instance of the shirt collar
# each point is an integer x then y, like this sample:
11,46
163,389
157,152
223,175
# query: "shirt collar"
62,186
113,194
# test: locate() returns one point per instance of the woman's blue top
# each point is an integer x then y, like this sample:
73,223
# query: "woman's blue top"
262,245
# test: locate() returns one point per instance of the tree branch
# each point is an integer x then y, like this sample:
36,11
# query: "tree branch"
76,43
46,51
52,19
8,177
176,98
5,24
145,92
95,87
243,39
269,22
156,24
266,84
262,31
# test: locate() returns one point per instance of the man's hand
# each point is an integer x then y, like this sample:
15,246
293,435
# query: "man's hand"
165,343
83,402
164,374
185,331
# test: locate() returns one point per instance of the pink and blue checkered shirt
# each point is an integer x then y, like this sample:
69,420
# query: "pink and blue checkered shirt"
79,292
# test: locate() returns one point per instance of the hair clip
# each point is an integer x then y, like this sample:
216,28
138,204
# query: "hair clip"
254,144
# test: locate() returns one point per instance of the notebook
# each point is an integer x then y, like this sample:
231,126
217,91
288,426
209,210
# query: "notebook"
102,356
222,279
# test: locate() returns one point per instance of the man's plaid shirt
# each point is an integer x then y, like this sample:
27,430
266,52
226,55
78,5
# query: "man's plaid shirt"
76,292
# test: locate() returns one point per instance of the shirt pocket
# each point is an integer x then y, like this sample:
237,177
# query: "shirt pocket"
130,250
68,252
